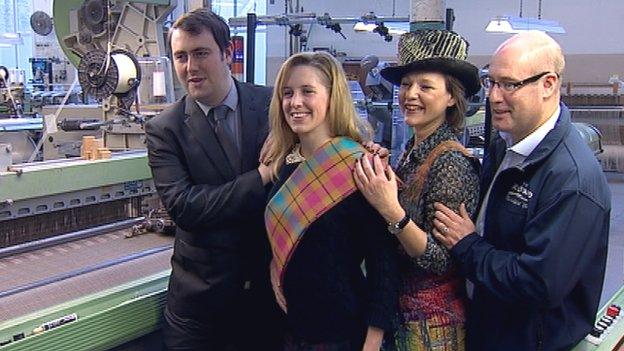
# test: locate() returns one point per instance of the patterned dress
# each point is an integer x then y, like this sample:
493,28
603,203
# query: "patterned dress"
432,292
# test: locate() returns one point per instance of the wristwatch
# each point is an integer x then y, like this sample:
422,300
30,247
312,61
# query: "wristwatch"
397,228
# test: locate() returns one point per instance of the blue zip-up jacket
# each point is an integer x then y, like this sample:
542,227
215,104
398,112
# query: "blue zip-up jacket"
539,267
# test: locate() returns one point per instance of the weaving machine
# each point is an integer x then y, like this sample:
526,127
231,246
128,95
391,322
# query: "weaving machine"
78,270
65,247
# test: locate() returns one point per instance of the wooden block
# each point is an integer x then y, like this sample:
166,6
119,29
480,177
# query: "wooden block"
103,153
85,148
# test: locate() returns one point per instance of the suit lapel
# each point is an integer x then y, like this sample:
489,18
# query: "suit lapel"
250,125
201,130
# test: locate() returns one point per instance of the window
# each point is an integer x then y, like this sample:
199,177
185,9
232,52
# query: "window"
240,8
15,18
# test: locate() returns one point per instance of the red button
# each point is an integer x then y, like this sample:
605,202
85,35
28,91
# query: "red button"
613,311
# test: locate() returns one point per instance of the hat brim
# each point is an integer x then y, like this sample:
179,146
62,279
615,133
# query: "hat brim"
465,72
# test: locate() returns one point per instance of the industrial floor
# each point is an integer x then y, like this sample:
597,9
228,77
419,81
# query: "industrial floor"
614,278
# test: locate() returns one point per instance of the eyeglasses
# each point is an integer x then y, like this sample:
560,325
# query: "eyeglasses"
489,83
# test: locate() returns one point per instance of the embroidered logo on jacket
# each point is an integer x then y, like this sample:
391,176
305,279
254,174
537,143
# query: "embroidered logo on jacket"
519,195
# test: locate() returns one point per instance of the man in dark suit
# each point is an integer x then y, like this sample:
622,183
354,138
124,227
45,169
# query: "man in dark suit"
203,152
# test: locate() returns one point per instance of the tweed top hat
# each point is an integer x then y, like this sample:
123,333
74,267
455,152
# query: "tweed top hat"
434,51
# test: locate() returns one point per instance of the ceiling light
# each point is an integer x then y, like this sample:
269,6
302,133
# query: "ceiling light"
364,27
511,24
11,38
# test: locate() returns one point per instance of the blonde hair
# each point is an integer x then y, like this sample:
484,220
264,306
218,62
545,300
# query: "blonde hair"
341,115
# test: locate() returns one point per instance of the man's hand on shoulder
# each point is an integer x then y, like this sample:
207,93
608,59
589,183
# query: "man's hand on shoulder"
265,173
451,227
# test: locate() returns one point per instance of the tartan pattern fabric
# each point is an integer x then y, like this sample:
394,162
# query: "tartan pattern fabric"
317,184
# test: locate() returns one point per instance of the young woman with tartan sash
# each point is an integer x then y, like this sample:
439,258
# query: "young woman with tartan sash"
320,227
434,79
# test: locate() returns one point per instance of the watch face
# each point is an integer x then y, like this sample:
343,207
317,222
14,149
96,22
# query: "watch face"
397,228
394,229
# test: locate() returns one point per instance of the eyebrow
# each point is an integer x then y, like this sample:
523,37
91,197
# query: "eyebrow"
504,78
427,80
194,50
301,86
418,80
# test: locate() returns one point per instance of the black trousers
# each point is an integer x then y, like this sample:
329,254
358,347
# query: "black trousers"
295,343
256,323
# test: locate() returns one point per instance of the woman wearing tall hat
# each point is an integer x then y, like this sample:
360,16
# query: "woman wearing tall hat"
434,80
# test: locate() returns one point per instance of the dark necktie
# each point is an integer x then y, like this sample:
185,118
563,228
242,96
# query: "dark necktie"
217,116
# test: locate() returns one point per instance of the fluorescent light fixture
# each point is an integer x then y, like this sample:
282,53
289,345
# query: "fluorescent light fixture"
9,35
364,27
11,38
223,3
397,28
511,24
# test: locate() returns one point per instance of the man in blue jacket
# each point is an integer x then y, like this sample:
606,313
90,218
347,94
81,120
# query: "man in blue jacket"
537,252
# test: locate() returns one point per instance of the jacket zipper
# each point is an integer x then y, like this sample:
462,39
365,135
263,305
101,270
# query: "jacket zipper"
540,332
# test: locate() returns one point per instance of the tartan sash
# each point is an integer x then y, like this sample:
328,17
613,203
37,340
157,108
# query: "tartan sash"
316,185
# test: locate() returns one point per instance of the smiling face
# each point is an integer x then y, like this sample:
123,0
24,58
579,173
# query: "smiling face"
305,102
200,65
521,111
423,100
518,112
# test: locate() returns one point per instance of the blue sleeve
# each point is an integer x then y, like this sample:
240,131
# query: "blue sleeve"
561,240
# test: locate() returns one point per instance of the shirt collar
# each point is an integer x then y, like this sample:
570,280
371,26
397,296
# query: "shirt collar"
231,99
525,146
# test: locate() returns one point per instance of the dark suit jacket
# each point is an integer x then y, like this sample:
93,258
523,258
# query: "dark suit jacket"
220,244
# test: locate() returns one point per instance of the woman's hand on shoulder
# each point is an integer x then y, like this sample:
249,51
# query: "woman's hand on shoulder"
378,183
377,149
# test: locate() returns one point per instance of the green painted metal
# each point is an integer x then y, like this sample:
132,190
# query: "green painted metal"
616,333
61,12
105,320
72,176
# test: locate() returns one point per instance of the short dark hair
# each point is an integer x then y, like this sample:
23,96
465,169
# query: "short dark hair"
201,19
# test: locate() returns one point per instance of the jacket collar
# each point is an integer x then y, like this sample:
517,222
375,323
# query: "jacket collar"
546,146
552,139
417,154
251,114
251,125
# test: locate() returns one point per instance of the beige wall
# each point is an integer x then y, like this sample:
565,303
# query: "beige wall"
592,43
582,68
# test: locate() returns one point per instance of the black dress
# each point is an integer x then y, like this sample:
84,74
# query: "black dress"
332,298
